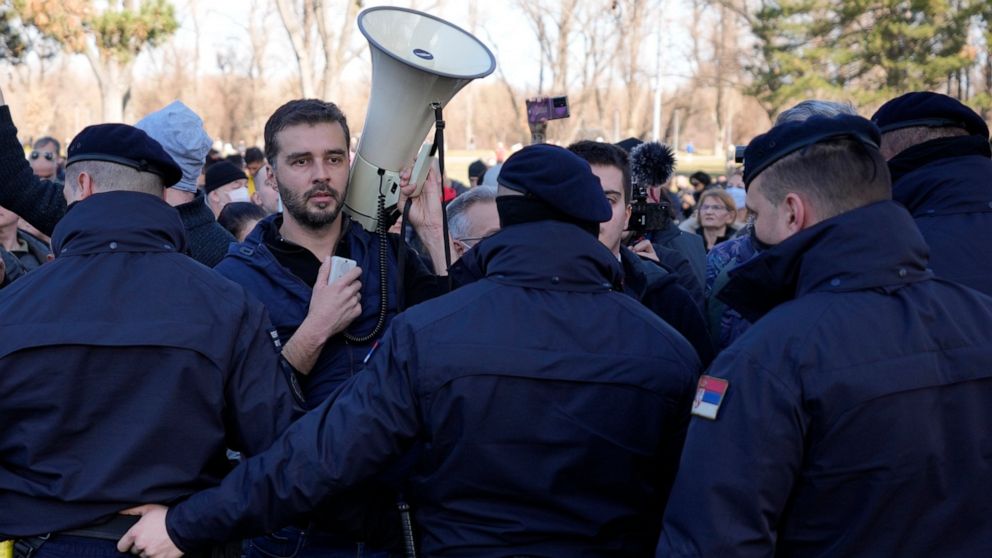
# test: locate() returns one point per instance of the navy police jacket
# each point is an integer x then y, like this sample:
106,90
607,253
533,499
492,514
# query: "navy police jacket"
126,369
551,409
287,297
947,185
855,418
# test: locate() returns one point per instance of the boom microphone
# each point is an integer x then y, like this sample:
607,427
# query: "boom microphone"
651,164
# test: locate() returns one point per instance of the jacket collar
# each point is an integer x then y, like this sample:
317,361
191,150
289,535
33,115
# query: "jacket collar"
119,222
546,255
840,254
923,154
942,176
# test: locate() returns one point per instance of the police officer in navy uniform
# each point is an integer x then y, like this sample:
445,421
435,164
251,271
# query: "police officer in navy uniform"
851,419
941,163
127,368
551,406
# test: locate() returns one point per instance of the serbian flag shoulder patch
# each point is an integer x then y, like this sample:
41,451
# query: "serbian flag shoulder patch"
709,395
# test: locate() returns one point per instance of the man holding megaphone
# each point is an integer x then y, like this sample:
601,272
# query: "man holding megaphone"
328,327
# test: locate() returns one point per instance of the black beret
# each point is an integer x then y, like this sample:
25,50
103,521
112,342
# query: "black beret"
220,174
789,137
934,110
559,178
124,145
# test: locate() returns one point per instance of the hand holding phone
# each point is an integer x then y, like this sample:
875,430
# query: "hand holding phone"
339,267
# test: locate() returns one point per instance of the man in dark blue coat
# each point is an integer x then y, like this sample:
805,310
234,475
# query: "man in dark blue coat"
941,164
850,419
552,429
127,368
328,329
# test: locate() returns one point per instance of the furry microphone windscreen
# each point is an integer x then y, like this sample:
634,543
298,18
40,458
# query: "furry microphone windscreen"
651,164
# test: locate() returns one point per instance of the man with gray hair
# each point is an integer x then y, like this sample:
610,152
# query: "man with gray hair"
140,367
472,217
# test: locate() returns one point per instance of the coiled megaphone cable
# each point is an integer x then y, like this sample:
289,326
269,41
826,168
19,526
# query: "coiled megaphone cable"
380,230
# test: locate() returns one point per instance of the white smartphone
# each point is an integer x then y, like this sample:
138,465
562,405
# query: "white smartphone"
340,266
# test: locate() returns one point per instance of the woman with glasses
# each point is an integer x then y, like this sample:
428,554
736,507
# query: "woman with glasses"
716,215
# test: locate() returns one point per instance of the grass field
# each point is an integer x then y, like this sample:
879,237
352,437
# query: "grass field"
457,162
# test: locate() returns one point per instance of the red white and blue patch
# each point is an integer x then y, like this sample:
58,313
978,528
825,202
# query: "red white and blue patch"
709,396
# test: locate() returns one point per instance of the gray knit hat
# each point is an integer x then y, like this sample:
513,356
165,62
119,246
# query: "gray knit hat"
180,131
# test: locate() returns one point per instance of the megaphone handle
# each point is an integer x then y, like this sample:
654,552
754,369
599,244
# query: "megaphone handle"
439,146
421,168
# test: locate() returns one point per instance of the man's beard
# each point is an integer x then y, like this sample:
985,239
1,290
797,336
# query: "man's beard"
296,206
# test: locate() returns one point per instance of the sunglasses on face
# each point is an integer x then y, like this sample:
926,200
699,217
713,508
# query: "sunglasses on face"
49,156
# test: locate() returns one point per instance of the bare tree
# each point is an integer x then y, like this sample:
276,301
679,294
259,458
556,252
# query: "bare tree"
321,48
553,23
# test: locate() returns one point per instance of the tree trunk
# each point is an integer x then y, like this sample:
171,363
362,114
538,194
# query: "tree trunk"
336,49
301,39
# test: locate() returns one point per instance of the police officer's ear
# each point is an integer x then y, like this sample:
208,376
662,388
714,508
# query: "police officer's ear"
798,212
457,248
78,185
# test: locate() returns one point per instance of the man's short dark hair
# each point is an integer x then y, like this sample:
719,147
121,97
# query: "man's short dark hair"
701,177
606,155
301,111
48,140
841,175
254,155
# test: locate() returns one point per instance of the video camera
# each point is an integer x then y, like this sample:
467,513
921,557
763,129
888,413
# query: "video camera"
646,217
739,154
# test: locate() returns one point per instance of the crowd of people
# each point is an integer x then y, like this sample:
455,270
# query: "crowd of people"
788,360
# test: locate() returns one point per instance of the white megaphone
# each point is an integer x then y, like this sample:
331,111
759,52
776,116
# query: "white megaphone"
417,60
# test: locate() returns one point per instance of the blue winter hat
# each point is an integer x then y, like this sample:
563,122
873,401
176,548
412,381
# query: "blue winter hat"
789,137
124,145
560,179
923,108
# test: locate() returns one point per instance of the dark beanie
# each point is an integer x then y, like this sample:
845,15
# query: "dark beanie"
220,174
476,169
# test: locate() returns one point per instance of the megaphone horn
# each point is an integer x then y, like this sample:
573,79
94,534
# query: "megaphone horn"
417,60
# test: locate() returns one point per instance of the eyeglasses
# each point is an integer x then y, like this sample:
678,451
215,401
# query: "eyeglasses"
470,242
712,208
49,156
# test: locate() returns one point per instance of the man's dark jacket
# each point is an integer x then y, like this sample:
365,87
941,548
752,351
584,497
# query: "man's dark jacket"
659,290
550,406
684,253
42,203
947,186
287,297
856,419
126,369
